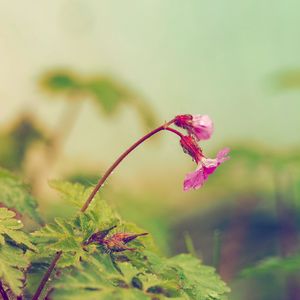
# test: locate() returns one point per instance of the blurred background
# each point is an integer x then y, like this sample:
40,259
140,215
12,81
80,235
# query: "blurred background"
82,80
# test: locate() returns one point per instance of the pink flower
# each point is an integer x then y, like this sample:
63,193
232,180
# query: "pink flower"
206,166
190,147
199,126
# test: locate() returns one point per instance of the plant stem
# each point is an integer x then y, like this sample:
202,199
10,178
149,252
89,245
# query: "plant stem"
97,188
46,276
121,157
3,293
216,249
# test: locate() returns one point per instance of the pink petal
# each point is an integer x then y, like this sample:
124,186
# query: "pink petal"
209,166
194,180
202,127
206,167
222,155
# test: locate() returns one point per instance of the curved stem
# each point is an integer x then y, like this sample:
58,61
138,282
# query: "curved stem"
46,276
97,188
175,131
3,292
121,157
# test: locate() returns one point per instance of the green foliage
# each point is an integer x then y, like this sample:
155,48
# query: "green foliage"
289,79
195,280
16,140
13,261
180,277
74,194
69,235
60,81
107,93
14,194
92,270
274,265
10,227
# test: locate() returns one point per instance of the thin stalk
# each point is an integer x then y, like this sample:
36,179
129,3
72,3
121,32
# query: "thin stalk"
119,160
3,292
189,244
97,188
46,276
216,249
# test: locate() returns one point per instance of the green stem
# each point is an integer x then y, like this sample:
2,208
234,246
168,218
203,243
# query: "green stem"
216,249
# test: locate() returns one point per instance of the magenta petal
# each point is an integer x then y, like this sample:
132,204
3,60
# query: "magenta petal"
202,127
222,155
209,166
194,180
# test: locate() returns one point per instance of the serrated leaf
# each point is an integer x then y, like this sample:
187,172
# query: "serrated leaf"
14,194
73,193
58,236
99,214
196,280
199,281
9,226
12,261
98,279
66,236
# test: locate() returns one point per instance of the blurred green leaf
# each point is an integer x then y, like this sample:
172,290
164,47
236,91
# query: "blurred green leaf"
16,141
60,81
274,265
14,194
107,93
288,79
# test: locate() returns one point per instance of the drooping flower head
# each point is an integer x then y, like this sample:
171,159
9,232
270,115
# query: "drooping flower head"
199,126
190,147
205,166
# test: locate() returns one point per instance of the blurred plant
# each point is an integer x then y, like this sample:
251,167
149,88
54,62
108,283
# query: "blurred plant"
16,140
14,194
254,203
92,259
107,93
287,79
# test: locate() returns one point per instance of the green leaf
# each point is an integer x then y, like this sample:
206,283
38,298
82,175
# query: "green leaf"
17,139
12,259
199,281
194,279
99,214
98,279
288,79
72,193
59,236
9,226
108,94
274,265
14,194
12,262
59,81
68,236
